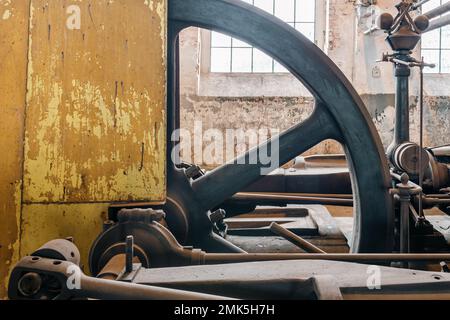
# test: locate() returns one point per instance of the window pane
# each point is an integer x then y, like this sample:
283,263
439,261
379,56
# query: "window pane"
266,5
445,37
261,61
285,10
431,40
242,60
220,40
299,14
431,5
220,59
445,61
431,56
307,29
240,44
305,10
279,68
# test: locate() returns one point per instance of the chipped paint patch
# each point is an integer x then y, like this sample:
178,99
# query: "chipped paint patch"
15,247
7,14
13,53
97,135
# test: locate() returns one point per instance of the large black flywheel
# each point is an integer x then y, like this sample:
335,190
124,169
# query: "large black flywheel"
339,114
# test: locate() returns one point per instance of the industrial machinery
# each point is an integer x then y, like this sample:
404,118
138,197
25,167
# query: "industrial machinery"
175,248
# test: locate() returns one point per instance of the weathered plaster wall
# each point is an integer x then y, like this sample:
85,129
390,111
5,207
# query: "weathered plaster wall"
279,101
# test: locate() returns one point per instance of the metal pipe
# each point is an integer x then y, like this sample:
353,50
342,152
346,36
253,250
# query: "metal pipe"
438,11
129,254
115,290
217,258
438,23
401,132
295,239
421,173
435,201
405,199
419,4
261,198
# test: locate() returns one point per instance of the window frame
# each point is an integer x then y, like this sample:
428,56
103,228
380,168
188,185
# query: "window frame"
209,81
440,49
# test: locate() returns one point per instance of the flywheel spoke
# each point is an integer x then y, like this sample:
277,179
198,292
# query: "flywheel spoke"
225,181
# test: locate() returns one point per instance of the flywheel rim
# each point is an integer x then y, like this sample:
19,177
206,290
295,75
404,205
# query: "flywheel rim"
373,225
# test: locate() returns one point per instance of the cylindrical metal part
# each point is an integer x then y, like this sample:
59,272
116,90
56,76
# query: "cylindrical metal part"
295,239
113,268
30,284
129,252
410,158
419,4
268,198
59,249
404,224
438,23
115,290
438,11
218,258
402,73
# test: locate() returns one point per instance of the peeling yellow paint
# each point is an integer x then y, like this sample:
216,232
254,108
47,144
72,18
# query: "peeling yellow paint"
13,65
7,14
83,118
96,135
15,247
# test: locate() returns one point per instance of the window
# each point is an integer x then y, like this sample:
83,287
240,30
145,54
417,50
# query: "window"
436,43
229,55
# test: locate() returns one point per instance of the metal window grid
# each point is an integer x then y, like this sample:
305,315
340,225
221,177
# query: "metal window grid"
294,24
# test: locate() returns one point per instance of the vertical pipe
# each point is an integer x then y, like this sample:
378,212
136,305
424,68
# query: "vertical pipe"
129,254
404,225
402,73
421,174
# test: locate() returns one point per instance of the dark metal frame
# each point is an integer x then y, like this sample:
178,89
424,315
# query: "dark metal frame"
339,114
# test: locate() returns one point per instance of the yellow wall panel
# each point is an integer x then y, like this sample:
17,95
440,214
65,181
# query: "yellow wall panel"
42,223
13,65
95,125
82,117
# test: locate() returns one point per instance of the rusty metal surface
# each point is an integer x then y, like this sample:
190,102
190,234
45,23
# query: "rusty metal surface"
95,127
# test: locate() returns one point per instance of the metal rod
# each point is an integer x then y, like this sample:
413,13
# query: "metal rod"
402,104
435,201
294,199
419,4
421,174
129,253
404,223
115,290
295,239
438,23
438,11
218,258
